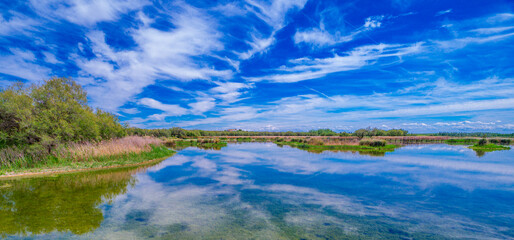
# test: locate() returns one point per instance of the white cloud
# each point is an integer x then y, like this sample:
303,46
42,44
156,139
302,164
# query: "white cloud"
415,124
202,105
16,24
274,14
257,45
441,98
373,22
50,58
130,110
306,68
321,37
229,92
315,36
228,115
169,109
23,64
459,43
225,93
481,30
85,12
442,12
160,54
492,30
500,18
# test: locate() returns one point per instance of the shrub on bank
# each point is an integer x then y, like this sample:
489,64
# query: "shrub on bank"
373,142
500,141
482,142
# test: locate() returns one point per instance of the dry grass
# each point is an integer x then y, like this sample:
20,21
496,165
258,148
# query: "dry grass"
14,155
17,157
131,144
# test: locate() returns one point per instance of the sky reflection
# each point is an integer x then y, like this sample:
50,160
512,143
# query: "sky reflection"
262,191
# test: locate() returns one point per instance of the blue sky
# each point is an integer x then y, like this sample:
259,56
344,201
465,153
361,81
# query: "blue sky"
425,66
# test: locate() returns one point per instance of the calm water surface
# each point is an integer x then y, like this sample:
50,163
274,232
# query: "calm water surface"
262,191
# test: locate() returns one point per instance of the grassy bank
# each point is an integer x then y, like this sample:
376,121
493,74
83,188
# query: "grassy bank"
117,152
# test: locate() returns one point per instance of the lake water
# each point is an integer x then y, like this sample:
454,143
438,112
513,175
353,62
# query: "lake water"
263,191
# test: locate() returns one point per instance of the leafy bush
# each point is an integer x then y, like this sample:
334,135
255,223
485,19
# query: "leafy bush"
373,142
500,141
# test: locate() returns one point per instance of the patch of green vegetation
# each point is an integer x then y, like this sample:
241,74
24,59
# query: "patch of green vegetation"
54,163
244,139
483,146
504,141
249,139
200,143
461,141
489,147
372,150
373,142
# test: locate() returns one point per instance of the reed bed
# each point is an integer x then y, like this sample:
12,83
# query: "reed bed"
123,148
131,144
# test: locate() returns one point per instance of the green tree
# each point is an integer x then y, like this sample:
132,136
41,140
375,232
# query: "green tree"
50,113
360,133
59,102
17,116
109,125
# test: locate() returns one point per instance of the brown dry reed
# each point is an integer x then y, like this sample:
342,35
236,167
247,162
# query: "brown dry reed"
78,151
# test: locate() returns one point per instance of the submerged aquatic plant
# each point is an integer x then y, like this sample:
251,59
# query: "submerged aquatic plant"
66,203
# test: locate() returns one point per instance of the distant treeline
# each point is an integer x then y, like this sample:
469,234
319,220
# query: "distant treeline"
363,132
474,134
183,133
41,116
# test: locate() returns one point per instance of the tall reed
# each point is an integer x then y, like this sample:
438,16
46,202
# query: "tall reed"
131,144
16,157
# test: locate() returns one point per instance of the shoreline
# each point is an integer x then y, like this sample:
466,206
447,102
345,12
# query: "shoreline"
353,146
51,171
100,163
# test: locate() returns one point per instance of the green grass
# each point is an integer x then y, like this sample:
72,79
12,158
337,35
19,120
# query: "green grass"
195,143
321,148
53,163
489,147
461,141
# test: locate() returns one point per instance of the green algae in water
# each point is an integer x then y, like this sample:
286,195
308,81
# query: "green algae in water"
60,203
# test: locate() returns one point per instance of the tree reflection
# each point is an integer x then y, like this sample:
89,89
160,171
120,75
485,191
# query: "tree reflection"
65,203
